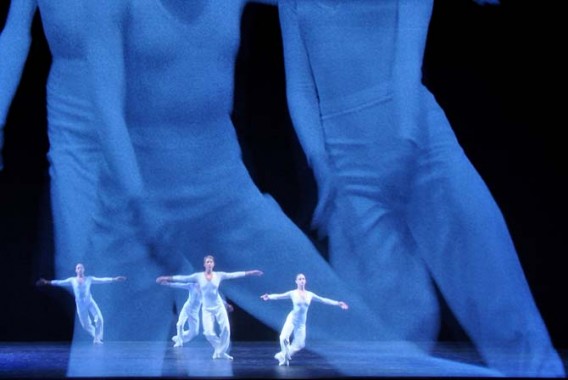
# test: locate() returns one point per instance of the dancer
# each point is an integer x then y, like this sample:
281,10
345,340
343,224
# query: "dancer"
213,309
88,311
296,319
404,200
189,313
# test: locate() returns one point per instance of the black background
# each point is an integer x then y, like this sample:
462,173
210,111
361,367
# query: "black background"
498,72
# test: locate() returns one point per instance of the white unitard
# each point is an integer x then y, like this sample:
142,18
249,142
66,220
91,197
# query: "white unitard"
189,312
87,308
296,320
213,308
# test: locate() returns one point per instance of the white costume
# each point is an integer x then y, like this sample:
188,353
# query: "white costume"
296,321
213,309
87,308
189,313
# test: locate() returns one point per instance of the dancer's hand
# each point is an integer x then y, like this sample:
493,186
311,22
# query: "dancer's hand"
163,279
264,297
119,278
254,272
343,305
42,282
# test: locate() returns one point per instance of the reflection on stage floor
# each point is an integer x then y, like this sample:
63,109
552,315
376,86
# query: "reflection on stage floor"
251,360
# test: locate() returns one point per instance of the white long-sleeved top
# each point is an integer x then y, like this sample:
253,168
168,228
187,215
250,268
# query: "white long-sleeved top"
82,291
194,296
301,303
209,288
183,285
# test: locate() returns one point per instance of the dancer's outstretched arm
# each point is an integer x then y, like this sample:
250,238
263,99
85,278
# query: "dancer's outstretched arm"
276,296
66,282
329,301
231,275
178,285
107,280
164,280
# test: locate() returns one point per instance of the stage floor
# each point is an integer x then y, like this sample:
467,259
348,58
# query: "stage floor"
251,360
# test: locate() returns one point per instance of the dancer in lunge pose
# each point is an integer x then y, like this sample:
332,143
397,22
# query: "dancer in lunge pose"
87,309
213,308
189,312
296,320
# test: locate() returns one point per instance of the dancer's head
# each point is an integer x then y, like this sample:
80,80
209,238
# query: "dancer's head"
80,269
208,263
301,281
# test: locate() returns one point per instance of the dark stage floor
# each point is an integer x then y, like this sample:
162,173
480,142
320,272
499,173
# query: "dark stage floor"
251,360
